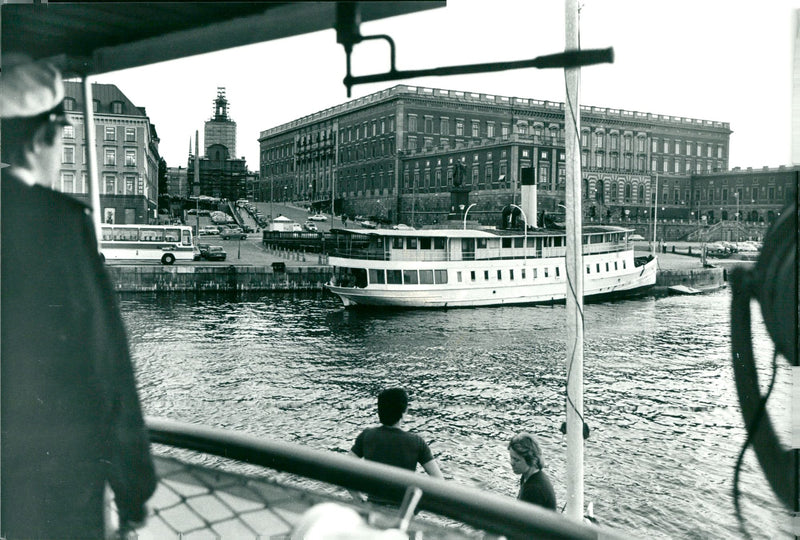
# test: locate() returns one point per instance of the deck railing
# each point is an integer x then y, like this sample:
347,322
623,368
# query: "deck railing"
486,511
483,254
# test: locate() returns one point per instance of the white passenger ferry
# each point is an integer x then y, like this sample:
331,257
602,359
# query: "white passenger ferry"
480,267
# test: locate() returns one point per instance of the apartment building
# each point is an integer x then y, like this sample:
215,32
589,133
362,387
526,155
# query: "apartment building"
127,151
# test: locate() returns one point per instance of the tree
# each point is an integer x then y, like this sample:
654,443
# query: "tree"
162,176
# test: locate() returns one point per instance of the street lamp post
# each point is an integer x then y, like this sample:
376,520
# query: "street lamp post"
737,216
413,199
465,214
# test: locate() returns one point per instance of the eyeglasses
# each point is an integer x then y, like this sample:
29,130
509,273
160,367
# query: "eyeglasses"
58,115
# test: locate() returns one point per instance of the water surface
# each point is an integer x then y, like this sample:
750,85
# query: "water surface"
659,393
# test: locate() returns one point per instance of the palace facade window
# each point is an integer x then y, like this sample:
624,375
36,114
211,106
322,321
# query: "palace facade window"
68,154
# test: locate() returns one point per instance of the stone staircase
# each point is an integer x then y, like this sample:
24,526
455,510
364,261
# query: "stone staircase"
727,230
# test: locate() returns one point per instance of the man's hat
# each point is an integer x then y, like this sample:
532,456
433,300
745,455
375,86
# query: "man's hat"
28,88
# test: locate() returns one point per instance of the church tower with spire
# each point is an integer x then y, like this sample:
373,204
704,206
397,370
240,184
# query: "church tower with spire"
220,130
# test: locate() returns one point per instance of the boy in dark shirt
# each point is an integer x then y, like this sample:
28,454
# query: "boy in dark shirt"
391,445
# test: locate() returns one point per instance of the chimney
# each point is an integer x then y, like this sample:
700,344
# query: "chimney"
528,188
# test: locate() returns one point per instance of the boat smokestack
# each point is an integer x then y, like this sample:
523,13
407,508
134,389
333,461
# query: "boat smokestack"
528,189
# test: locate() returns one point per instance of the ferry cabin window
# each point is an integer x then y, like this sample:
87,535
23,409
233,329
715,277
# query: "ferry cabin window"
615,265
426,277
588,271
558,271
377,276
438,242
499,275
546,272
411,243
441,276
598,267
511,274
425,243
481,243
472,275
360,275
397,242
535,273
506,242
410,277
523,274
623,264
531,242
486,275
394,277
557,241
518,242
606,267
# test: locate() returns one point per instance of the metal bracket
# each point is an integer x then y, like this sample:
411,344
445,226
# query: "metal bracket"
348,34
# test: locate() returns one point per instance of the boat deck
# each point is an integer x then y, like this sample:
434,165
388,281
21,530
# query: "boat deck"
196,501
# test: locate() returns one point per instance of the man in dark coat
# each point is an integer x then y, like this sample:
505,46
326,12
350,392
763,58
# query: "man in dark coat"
69,412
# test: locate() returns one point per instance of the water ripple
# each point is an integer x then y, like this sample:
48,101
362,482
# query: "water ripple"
659,396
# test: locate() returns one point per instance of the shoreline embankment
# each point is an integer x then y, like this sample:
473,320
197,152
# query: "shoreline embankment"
282,276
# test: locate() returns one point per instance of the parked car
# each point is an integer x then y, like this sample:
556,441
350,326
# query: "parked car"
318,217
235,234
402,227
367,224
215,253
310,226
636,237
748,246
208,230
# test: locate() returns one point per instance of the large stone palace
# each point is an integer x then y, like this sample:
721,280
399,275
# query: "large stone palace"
392,154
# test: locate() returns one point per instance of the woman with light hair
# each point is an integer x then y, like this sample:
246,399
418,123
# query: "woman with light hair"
526,460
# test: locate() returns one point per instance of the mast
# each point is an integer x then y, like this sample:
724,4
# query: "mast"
91,158
574,297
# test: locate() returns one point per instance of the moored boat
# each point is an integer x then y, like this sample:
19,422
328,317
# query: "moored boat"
480,267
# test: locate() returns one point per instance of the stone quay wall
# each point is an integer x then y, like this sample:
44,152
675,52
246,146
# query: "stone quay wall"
152,278
698,278
132,278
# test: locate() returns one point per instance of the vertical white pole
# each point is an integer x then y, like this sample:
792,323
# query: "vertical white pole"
655,218
91,158
197,181
574,299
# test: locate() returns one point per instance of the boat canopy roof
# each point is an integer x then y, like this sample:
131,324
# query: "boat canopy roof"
99,37
477,233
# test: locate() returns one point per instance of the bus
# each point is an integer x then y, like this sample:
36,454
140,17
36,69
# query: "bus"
165,243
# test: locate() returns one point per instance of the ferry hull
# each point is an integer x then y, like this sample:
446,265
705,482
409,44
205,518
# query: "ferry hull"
633,283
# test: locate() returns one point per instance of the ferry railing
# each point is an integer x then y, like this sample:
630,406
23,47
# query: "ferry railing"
479,254
486,511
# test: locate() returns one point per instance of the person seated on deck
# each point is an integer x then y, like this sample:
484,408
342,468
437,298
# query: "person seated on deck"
526,460
391,445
